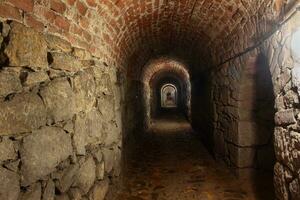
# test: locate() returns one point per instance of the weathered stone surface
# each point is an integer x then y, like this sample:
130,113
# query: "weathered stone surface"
82,54
23,113
7,150
5,29
68,178
42,151
100,171
281,187
286,148
33,192
26,48
36,77
106,107
98,155
10,82
57,44
88,130
109,157
49,191
84,89
59,99
75,194
65,62
62,197
86,175
99,190
295,189
285,117
13,166
10,186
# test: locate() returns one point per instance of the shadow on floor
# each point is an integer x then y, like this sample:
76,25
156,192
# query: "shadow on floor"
170,163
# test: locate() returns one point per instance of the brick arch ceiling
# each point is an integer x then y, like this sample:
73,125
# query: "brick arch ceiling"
127,33
142,29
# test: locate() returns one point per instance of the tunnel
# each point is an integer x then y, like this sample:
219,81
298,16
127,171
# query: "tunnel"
149,99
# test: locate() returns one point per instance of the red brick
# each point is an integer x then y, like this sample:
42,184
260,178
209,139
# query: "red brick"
31,21
7,11
62,23
71,2
26,5
84,22
58,6
81,7
91,3
87,36
76,30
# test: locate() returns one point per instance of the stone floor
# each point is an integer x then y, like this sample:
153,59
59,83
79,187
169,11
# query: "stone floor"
172,164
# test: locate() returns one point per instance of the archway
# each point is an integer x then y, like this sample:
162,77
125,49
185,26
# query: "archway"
168,96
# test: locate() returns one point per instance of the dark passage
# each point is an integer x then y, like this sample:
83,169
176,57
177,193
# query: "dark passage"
170,162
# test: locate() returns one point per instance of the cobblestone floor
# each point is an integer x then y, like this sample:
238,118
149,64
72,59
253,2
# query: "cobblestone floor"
170,163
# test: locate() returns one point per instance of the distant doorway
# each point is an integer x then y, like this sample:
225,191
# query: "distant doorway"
168,96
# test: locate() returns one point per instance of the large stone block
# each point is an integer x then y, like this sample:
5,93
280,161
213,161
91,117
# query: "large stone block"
34,78
10,186
42,151
33,192
25,112
55,43
99,190
285,117
84,89
10,82
7,150
86,175
88,130
49,191
26,48
59,99
109,159
65,62
68,178
106,106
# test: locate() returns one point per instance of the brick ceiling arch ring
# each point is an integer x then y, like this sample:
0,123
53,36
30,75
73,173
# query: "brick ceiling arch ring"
164,65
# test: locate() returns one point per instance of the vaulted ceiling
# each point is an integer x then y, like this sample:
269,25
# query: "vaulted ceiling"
142,29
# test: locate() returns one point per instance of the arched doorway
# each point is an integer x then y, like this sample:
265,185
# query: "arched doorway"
168,96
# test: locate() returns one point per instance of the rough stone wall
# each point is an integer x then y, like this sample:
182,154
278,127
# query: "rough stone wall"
60,118
282,62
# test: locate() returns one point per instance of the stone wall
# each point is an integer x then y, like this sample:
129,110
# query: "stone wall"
60,118
243,91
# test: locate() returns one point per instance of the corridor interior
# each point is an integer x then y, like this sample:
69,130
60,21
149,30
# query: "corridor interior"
170,163
149,99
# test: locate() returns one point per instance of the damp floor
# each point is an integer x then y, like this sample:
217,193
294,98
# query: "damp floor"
171,163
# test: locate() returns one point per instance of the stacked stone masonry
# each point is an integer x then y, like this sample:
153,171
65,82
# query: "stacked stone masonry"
60,123
240,139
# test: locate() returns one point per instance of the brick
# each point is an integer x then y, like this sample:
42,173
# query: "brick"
31,21
62,23
91,3
26,5
81,7
7,11
71,2
58,6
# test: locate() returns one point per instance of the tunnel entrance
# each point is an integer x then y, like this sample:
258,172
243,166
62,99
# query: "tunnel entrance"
168,96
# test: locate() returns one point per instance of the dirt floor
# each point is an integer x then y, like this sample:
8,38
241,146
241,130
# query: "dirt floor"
171,163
